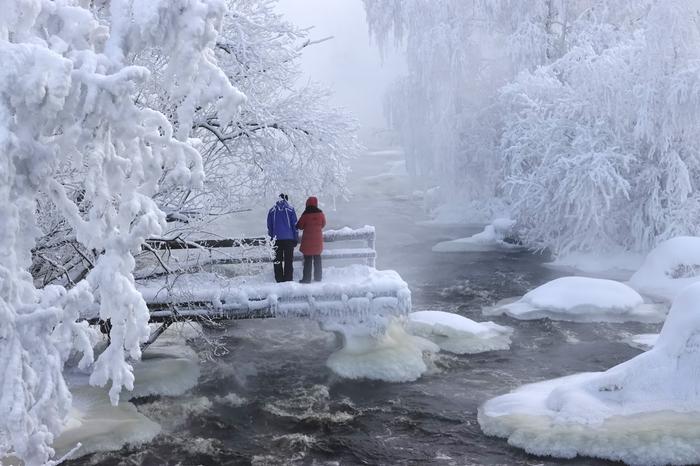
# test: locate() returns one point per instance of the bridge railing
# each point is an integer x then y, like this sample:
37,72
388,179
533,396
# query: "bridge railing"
257,249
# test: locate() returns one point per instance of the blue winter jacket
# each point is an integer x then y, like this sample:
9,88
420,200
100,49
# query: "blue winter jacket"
281,221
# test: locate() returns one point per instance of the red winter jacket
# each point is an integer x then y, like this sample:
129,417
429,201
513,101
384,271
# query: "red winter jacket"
312,222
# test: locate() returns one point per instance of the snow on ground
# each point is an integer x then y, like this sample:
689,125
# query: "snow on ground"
581,299
457,334
168,367
392,355
644,341
643,411
615,265
491,238
669,268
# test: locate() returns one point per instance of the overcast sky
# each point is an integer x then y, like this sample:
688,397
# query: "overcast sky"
349,64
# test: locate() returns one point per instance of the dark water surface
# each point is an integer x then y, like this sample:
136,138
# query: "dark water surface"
271,400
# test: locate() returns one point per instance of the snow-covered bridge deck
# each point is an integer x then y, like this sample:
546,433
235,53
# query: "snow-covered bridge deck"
354,294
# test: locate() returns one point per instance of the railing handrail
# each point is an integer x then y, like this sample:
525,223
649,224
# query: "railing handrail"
366,233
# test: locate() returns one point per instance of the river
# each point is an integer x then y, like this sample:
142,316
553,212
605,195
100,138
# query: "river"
271,400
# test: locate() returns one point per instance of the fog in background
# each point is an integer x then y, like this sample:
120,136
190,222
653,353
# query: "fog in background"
349,64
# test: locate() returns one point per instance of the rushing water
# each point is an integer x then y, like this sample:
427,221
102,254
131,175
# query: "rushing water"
271,400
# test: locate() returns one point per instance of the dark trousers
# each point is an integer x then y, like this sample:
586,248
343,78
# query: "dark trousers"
318,270
284,258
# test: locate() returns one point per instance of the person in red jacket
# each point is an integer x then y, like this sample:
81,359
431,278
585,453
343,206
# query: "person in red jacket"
312,222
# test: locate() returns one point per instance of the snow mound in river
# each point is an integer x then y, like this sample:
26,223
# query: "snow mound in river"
392,355
581,299
668,268
457,334
643,411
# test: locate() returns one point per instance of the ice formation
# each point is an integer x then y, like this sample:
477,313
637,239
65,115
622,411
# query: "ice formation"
99,426
581,299
457,334
643,411
668,268
391,355
169,366
493,237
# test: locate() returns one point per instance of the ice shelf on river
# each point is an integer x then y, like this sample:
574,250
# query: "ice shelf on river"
643,411
169,367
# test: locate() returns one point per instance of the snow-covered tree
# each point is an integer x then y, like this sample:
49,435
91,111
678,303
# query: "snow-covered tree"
288,137
459,53
601,145
67,102
580,114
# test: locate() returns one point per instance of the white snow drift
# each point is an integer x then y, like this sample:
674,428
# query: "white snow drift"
643,411
458,334
581,299
668,268
493,237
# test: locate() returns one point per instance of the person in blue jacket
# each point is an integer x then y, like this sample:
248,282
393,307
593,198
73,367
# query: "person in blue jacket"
281,227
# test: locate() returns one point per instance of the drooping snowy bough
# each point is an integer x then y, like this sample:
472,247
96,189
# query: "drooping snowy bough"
643,411
67,96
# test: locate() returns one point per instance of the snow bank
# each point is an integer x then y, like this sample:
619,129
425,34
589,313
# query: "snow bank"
668,268
493,237
643,411
99,426
582,299
392,355
457,334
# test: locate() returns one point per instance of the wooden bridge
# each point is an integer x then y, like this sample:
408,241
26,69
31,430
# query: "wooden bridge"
187,289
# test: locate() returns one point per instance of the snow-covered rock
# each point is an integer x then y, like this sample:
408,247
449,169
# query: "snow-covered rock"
644,341
643,411
581,299
458,334
668,268
392,355
493,237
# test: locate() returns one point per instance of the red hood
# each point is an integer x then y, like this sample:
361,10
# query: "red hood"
312,201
